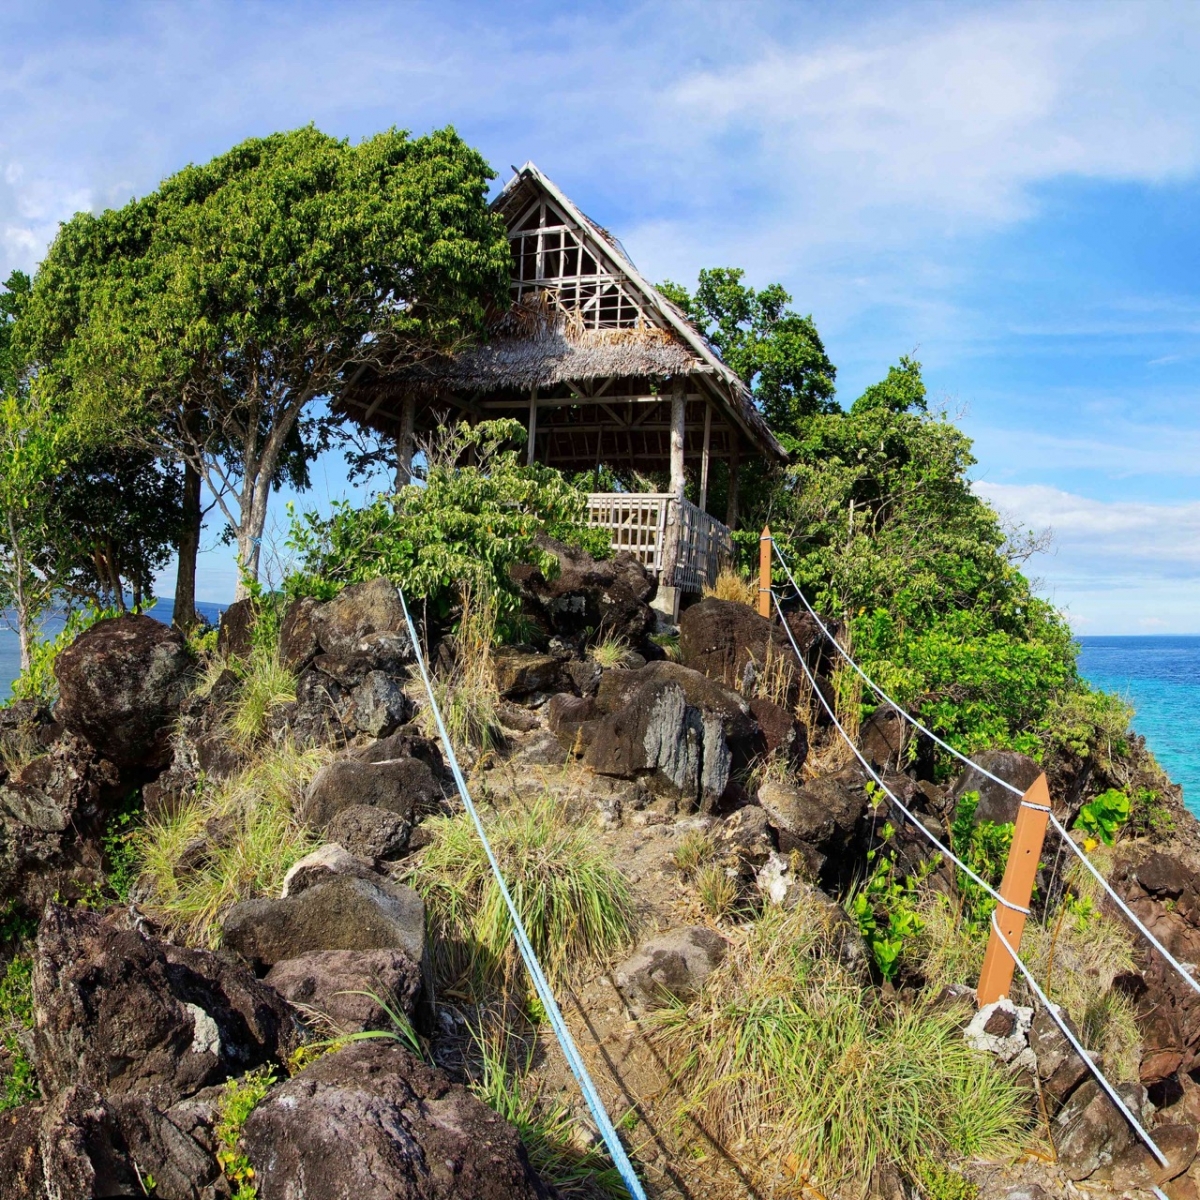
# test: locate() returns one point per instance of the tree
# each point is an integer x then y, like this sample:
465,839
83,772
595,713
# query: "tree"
205,317
777,352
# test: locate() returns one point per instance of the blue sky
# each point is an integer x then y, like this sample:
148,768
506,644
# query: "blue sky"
1007,190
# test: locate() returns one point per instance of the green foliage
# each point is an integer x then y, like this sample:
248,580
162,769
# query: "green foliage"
478,514
547,1125
204,317
984,847
119,847
239,1099
885,908
16,1018
1150,815
936,1181
786,1054
575,903
1103,816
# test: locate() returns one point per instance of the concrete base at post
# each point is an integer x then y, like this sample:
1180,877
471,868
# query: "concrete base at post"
666,601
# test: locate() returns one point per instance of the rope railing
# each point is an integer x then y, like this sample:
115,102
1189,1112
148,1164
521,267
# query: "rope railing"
1050,1007
1182,971
541,985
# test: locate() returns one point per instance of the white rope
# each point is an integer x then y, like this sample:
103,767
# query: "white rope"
540,983
1016,791
1113,1094
962,866
1182,971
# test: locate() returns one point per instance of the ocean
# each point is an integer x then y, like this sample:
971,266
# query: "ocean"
1159,676
10,647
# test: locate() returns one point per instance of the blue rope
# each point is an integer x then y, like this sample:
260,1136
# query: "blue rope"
540,983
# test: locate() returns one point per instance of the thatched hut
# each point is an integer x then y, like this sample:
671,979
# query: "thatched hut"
605,370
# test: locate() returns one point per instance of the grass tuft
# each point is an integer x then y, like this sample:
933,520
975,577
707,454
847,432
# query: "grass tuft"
575,903
718,890
611,652
265,685
731,586
694,849
790,1061
233,841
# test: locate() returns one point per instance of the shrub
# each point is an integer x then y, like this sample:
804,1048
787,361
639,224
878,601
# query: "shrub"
478,514
786,1055
16,1020
232,841
730,585
239,1099
1103,816
575,903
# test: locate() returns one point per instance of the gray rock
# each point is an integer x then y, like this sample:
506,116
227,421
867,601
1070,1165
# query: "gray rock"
404,786
373,1123
322,865
368,832
1059,1067
343,914
673,964
379,706
357,612
120,685
349,988
1002,1029
1093,1131
822,814
996,803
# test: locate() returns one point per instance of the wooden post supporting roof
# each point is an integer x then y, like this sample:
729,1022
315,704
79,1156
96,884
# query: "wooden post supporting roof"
404,442
731,507
704,455
529,449
678,430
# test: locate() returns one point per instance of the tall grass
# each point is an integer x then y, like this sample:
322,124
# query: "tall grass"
240,837
610,652
265,685
731,586
576,905
546,1124
793,1063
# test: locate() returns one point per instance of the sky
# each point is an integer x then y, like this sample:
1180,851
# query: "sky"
1006,191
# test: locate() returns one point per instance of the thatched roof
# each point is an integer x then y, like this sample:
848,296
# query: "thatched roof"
541,343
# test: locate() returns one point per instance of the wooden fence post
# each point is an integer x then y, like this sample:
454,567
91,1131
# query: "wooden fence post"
1029,832
764,572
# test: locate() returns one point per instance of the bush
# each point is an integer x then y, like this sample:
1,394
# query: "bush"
16,1021
478,514
785,1054
232,841
575,903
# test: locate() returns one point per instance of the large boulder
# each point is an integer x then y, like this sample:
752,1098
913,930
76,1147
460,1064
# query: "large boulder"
1090,1130
521,672
822,816
405,786
298,641
610,597
670,966
235,633
122,1012
120,685
349,988
371,1122
345,913
996,803
730,642
355,613
370,832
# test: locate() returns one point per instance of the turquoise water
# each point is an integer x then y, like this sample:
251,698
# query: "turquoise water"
1160,677
10,648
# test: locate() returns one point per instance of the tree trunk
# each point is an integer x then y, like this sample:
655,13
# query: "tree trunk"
249,542
185,617
24,636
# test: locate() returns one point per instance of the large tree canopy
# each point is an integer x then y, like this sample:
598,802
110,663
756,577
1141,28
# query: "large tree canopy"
206,316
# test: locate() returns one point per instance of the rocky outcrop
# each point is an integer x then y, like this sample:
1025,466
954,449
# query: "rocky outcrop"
345,913
996,803
120,686
364,609
122,1012
606,598
671,965
731,643
349,989
404,786
373,1123
820,820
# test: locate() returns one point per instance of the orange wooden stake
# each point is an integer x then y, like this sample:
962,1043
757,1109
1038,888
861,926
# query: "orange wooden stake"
764,572
1029,832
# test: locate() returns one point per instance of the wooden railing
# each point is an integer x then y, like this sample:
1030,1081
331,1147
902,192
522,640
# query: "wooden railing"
679,542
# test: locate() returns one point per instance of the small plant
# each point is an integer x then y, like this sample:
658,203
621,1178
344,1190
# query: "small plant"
611,652
668,643
16,1017
265,685
119,847
1149,815
694,849
984,847
239,1099
1102,817
730,585
936,1181
576,905
718,890
886,908
546,1126
18,748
